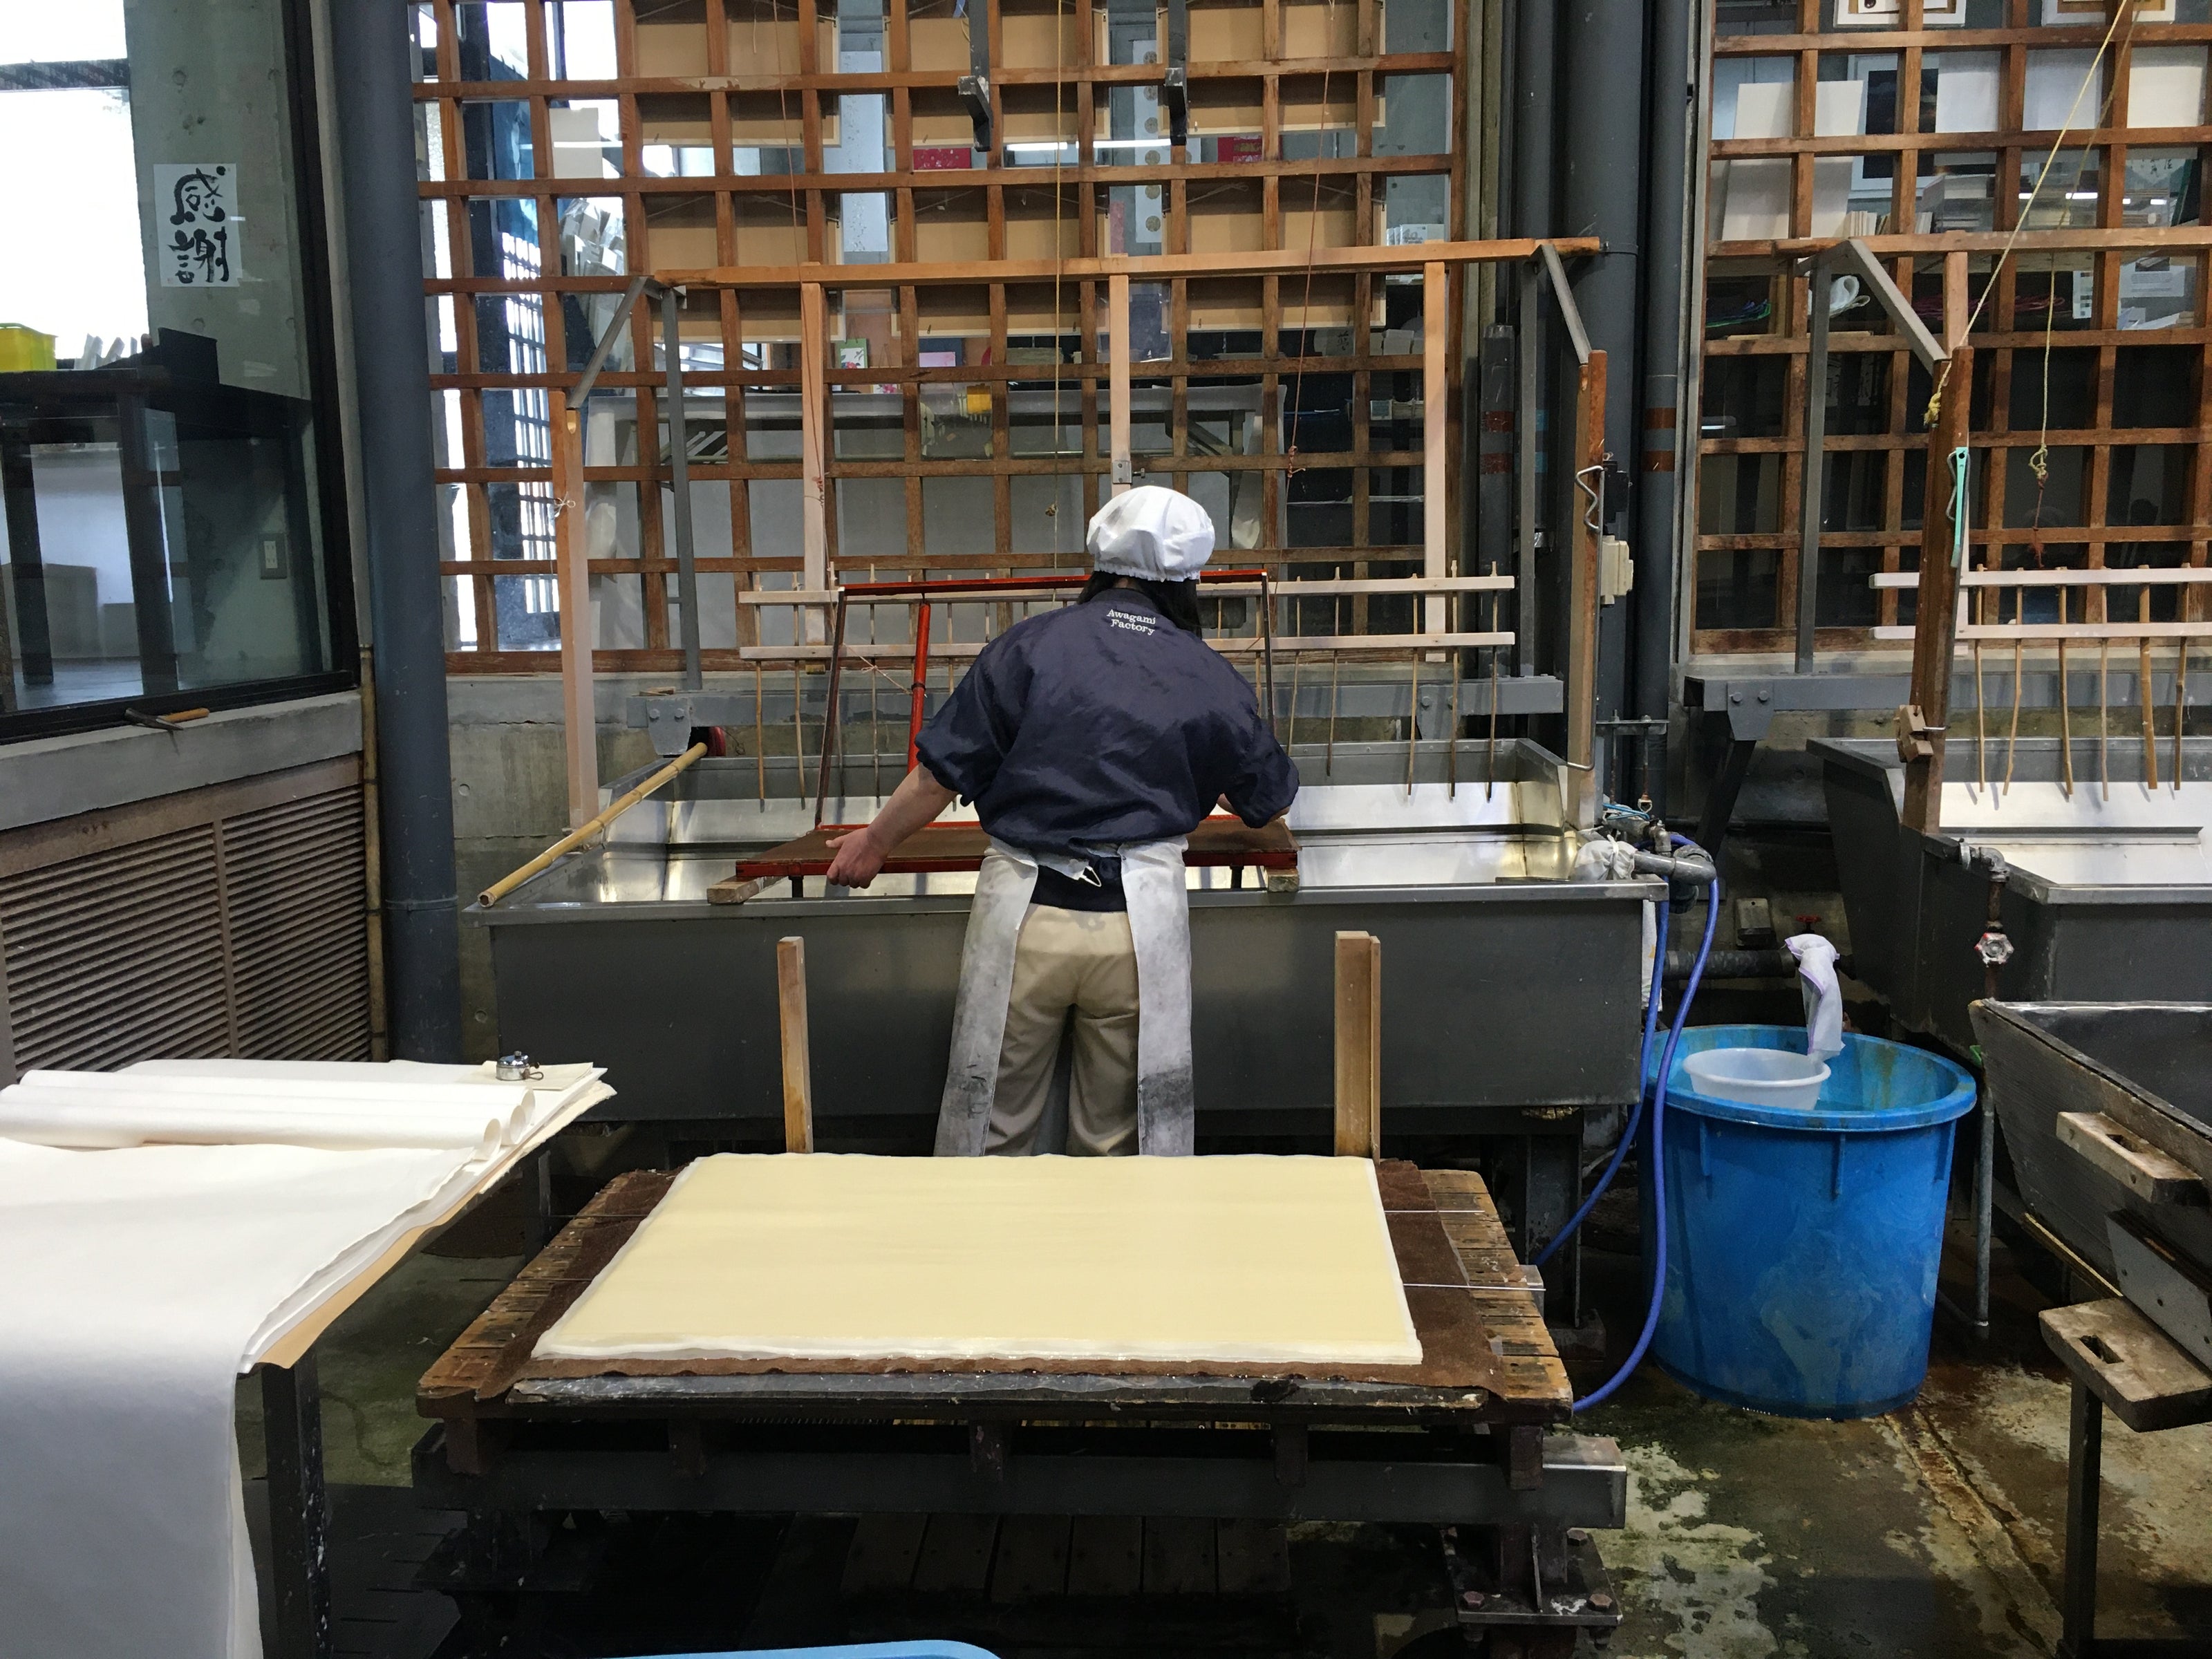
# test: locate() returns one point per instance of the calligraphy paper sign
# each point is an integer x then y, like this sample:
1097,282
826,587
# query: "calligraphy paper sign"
197,225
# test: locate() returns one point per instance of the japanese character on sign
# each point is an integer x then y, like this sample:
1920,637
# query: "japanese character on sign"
197,224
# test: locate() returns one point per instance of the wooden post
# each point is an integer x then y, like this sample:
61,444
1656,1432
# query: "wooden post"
1358,1046
572,565
813,450
1436,405
1117,370
1582,613
798,1067
1935,622
1955,308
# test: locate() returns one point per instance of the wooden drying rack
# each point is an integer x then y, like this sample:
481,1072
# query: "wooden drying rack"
816,594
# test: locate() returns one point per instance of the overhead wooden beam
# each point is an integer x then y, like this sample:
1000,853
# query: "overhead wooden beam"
1283,261
1358,1045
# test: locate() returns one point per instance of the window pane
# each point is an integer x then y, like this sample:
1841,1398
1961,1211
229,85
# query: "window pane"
163,526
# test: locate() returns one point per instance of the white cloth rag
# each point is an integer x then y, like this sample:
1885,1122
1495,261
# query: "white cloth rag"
1603,858
141,1278
1824,997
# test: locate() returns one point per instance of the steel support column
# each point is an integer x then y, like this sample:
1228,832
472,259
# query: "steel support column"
374,122
1667,337
1601,193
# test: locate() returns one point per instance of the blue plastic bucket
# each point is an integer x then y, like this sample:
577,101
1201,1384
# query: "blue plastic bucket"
865,1651
1802,1246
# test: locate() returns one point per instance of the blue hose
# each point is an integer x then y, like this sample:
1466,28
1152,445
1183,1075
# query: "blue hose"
1656,1162
1643,1070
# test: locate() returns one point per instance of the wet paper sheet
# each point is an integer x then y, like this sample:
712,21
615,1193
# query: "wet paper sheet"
1265,1259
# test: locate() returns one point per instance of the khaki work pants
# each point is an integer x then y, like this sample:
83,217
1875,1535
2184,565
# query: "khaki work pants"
1081,960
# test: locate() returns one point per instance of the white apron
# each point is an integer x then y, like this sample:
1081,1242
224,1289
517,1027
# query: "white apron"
1159,928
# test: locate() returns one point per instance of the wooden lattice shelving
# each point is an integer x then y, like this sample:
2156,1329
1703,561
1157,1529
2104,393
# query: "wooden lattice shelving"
567,143
1925,139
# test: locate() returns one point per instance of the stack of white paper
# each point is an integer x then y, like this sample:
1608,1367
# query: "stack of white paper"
147,1276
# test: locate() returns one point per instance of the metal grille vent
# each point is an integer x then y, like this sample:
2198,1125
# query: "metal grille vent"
117,956
244,934
299,934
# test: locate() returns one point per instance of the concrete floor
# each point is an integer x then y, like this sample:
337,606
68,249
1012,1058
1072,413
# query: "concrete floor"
1931,1532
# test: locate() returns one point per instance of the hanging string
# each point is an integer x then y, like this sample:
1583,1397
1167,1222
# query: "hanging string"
2042,175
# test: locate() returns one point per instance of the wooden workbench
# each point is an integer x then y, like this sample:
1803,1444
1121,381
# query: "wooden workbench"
1487,1356
1463,1441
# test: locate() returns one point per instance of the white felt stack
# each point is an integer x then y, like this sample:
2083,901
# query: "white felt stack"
169,1224
334,1105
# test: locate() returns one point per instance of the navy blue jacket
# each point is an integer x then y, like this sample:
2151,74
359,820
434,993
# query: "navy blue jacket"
1102,723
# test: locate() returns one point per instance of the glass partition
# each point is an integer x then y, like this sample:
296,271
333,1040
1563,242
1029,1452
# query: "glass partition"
170,526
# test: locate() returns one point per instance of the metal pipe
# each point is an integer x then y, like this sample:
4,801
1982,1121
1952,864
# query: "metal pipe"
1812,467
1601,192
1690,358
374,121
833,714
1697,871
1536,25
679,470
1671,106
920,685
606,342
1527,440
1774,963
1534,45
583,832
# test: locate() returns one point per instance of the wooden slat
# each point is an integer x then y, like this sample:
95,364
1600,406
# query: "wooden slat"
813,442
956,1554
1117,322
1358,1045
1032,1558
1178,1556
1251,1558
1143,268
1105,1555
881,1559
798,1064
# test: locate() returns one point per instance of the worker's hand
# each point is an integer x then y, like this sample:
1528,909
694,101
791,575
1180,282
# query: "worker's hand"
858,859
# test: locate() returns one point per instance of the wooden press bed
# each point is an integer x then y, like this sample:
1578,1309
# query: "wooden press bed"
1460,1440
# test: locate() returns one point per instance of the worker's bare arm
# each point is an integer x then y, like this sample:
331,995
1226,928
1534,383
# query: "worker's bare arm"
917,800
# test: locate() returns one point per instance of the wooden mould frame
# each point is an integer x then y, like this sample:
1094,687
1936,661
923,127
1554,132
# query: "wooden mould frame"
725,62
1947,272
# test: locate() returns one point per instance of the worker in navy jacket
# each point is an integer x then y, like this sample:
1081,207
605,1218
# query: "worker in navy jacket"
1092,741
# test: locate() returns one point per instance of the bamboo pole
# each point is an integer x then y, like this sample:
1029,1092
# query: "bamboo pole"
576,837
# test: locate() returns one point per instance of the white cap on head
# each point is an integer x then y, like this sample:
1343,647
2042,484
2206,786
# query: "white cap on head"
1158,535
